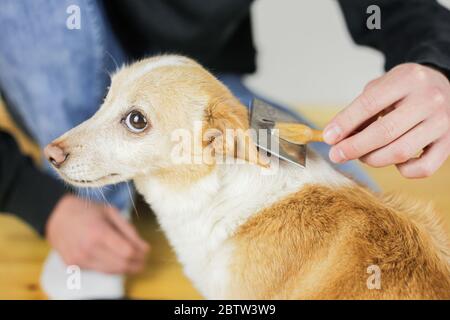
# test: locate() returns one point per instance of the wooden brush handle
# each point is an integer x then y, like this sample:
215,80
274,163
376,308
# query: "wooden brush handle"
298,133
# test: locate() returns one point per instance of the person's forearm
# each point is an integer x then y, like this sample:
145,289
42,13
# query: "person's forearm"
24,190
411,31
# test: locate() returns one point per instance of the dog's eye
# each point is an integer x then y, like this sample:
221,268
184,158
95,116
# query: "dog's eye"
136,121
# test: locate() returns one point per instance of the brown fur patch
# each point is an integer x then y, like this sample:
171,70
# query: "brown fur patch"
319,242
223,113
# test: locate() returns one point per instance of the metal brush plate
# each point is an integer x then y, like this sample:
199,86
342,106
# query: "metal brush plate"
262,117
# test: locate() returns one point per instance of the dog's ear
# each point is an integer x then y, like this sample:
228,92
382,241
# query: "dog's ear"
227,133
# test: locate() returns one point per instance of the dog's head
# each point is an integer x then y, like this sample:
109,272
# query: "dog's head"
150,105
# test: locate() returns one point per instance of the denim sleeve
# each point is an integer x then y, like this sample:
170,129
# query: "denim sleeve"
24,190
411,31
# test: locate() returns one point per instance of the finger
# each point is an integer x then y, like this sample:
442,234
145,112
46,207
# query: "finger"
408,145
367,122
93,259
121,246
428,163
381,94
127,229
372,83
120,265
104,260
383,131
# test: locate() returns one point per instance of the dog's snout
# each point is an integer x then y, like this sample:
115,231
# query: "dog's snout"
55,154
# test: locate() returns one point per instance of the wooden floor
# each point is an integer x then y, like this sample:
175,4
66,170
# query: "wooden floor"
22,252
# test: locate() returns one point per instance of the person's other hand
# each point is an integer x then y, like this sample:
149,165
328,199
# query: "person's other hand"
414,101
95,236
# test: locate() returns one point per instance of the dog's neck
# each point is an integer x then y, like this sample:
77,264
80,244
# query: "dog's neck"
198,218
209,210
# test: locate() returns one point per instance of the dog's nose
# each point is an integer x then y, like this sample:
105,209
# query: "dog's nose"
55,154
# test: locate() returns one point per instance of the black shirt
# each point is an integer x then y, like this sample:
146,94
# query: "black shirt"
24,189
411,31
218,33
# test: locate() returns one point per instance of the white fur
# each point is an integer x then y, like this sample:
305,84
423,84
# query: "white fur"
163,61
199,219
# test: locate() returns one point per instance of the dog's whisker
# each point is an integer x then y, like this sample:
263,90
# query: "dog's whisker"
90,196
131,198
113,60
103,196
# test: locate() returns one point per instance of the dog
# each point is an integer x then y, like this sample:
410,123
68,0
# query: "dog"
249,228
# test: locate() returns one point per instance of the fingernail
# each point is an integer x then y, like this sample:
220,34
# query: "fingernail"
332,133
337,155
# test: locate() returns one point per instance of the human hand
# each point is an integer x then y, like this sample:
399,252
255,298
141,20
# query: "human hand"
94,236
414,102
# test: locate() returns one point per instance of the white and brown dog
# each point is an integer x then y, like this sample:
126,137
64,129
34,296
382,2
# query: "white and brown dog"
247,230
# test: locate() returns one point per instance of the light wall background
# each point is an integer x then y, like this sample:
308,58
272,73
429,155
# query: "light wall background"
306,56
